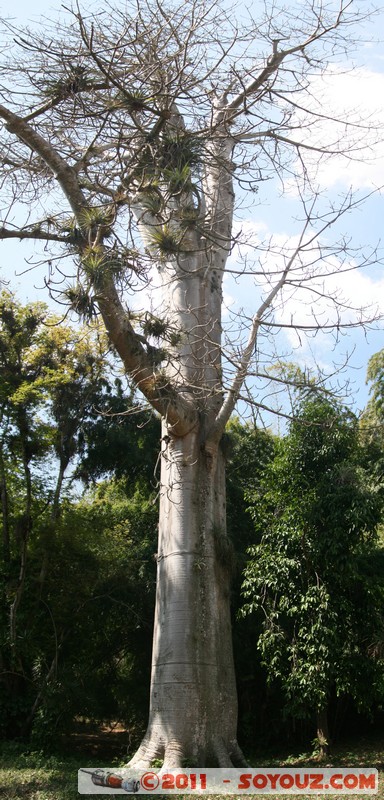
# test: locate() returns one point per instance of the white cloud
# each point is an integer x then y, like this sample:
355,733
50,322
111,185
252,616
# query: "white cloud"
324,290
344,298
354,96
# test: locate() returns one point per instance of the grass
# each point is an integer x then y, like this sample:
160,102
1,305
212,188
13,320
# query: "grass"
28,775
34,776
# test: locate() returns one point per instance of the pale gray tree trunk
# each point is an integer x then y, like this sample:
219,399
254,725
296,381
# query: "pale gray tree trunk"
193,702
193,706
193,711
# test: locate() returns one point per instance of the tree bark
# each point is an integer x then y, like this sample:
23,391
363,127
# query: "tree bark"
322,733
193,701
193,705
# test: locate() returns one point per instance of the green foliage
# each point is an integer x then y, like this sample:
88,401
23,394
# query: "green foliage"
189,215
169,166
248,451
81,301
33,775
97,265
77,577
73,81
154,326
251,450
316,513
180,150
178,179
166,240
375,375
100,593
91,218
151,198
121,441
371,423
134,100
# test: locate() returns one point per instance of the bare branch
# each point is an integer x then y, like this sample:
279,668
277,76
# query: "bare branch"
35,233
65,176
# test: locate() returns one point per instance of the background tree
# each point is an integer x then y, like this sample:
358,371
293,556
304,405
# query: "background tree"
372,419
69,564
50,377
132,130
120,444
316,516
95,616
248,450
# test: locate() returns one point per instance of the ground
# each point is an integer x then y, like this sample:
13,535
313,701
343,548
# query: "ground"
26,775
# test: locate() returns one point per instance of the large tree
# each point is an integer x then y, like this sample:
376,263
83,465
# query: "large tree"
131,129
51,379
315,572
372,418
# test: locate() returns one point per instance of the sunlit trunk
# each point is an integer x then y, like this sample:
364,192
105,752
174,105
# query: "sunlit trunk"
193,707
193,704
322,733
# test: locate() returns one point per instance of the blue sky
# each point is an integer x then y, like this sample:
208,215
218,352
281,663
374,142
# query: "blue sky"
359,91
24,11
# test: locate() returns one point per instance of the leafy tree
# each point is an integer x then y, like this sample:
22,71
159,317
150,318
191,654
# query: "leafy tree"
375,376
248,450
50,379
98,599
316,517
372,428
132,131
122,441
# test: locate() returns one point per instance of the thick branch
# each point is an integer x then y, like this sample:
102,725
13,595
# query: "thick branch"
253,86
36,233
255,137
233,394
164,397
64,174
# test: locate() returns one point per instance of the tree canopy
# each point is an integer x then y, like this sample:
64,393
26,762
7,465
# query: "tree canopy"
54,386
140,132
316,516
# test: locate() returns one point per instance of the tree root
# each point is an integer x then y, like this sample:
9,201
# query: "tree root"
237,755
173,754
148,751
